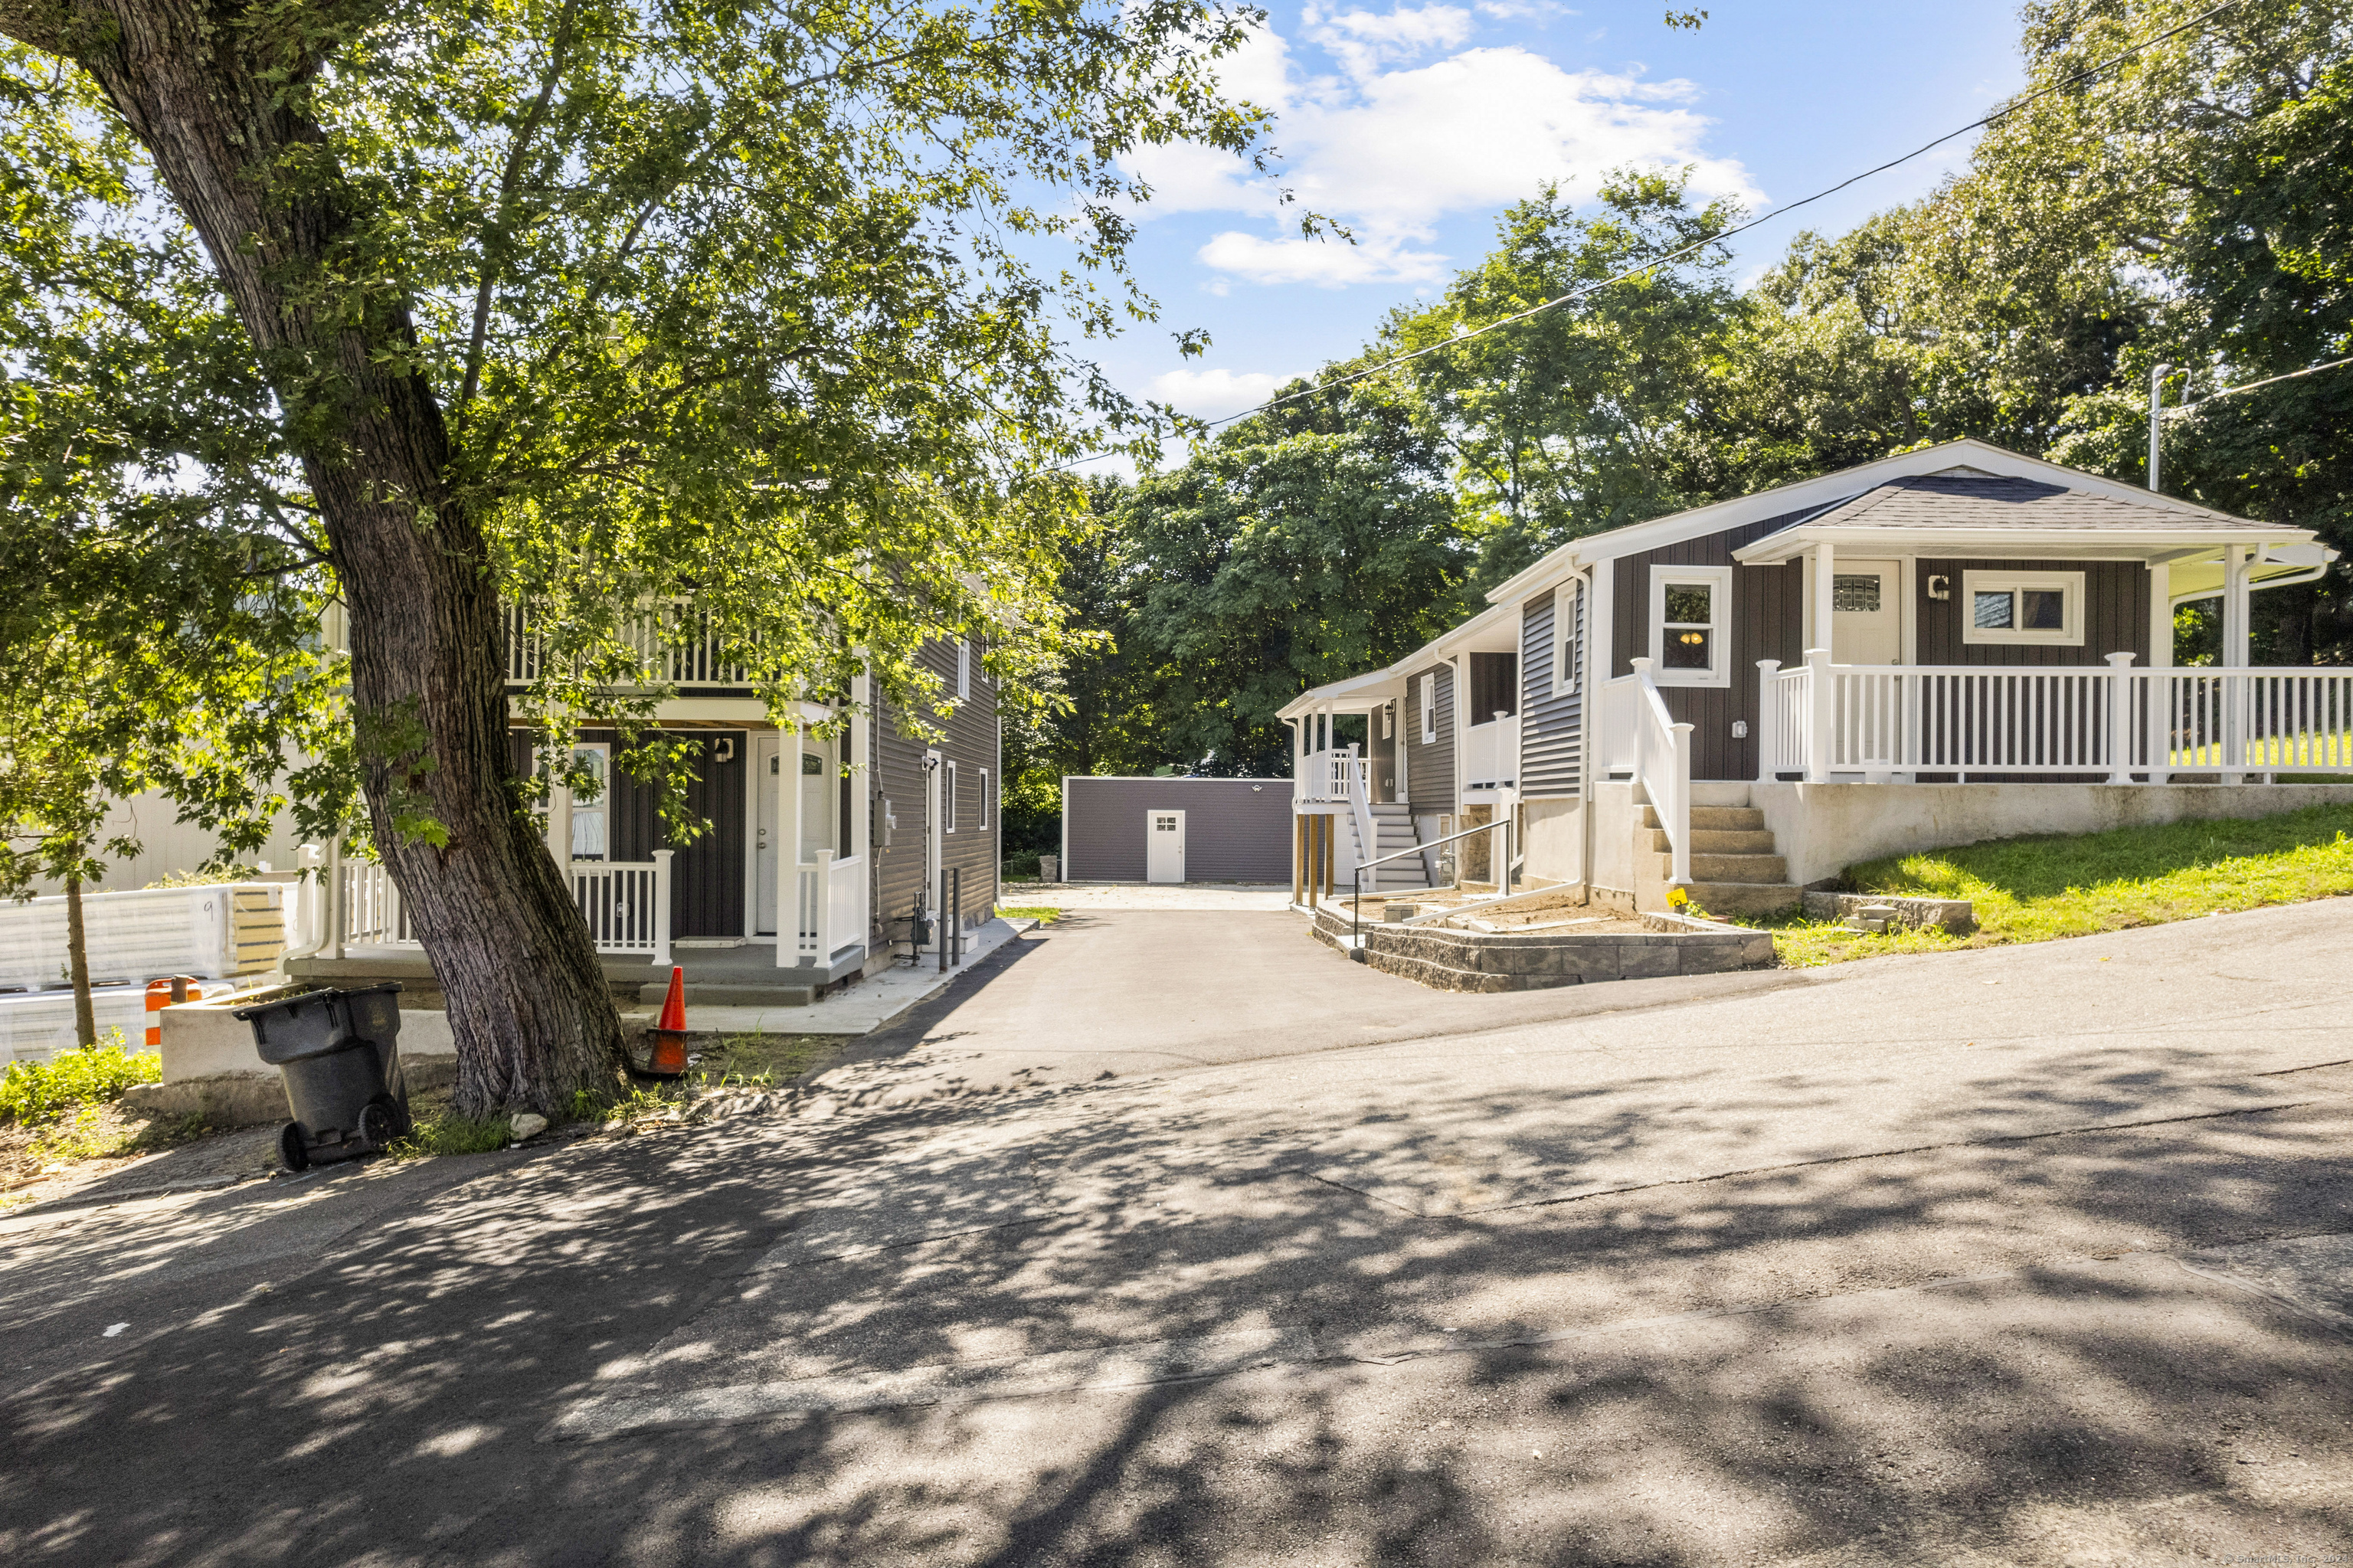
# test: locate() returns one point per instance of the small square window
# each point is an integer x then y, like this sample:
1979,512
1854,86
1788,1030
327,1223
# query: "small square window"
1859,592
1995,611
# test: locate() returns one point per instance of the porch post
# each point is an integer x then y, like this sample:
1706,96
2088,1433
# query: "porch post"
1298,853
822,915
1818,716
2234,657
2120,718
337,924
1825,566
1769,720
661,907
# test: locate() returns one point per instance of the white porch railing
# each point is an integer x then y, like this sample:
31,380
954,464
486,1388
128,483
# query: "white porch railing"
1336,775
2121,724
625,903
676,644
1662,765
1491,754
829,904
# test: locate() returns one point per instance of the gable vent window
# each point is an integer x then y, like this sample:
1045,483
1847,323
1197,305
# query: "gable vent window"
948,798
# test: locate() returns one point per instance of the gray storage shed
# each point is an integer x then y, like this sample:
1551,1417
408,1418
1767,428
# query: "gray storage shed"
1176,829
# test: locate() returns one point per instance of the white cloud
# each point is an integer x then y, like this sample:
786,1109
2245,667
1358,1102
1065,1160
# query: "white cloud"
1388,148
1363,42
1213,394
1330,263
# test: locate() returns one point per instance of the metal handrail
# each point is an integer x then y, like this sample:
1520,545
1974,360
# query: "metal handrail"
1356,876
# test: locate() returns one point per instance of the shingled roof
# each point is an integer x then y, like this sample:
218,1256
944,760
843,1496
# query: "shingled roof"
1980,501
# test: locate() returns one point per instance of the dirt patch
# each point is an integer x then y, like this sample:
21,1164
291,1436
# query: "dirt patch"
1562,921
105,1148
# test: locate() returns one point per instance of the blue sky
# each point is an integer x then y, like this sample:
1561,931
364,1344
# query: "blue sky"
1416,124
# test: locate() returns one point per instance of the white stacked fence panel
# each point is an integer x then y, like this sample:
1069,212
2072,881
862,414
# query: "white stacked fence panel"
846,913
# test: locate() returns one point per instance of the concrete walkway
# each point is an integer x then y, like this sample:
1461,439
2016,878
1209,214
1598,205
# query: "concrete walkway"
1259,896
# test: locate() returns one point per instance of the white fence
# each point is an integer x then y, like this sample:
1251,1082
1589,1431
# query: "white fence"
1662,765
1336,775
2084,722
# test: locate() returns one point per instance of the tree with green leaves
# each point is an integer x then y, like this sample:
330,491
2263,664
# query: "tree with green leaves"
582,308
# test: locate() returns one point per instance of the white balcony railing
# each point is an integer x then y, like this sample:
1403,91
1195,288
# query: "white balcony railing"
625,903
829,906
2111,722
676,644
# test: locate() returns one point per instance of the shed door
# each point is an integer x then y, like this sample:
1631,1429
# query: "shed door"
1164,846
1866,613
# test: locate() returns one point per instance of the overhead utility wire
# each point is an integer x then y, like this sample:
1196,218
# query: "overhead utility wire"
2012,107
2180,408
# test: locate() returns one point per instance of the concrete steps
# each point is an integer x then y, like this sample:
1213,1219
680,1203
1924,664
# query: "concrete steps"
1735,866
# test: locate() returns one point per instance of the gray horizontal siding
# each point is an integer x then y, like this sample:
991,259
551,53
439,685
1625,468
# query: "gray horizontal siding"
1235,830
1552,729
1430,769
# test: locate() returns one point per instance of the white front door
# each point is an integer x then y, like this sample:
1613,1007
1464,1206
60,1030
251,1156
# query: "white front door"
1866,612
1164,846
768,774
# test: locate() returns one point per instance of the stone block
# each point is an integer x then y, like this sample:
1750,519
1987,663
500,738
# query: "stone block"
1955,914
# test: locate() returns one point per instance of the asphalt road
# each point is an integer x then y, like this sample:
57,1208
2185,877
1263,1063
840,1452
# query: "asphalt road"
2035,1254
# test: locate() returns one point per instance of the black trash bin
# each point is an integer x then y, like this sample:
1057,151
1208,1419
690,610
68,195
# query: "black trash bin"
339,1053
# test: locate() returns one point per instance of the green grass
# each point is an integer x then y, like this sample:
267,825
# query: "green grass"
32,1093
1045,915
2042,888
761,1061
2273,754
446,1132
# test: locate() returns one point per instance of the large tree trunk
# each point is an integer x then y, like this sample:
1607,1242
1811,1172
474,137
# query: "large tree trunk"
528,1002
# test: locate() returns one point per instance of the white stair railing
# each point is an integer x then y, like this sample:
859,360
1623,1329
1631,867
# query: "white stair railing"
1662,765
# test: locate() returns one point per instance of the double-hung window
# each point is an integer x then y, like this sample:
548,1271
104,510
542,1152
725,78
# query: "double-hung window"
2022,607
964,670
1429,709
1567,636
1691,625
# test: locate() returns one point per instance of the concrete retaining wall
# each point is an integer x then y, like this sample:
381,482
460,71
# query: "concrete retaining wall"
1446,960
1822,829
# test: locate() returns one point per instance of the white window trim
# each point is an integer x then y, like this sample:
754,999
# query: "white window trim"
2070,589
982,825
948,796
1719,582
1429,709
1568,651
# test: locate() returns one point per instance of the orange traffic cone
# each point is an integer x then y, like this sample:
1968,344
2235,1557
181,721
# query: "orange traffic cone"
666,1059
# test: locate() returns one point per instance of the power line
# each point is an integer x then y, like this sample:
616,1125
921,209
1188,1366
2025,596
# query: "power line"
2180,409
2012,107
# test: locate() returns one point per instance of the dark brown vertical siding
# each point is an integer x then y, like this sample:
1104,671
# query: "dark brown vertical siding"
706,890
1430,769
970,742
2116,616
1767,622
1552,734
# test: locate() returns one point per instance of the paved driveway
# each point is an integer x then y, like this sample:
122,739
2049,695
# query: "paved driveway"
2022,1256
1139,990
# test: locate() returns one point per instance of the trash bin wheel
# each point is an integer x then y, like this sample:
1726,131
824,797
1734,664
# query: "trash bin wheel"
291,1148
403,1124
379,1122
